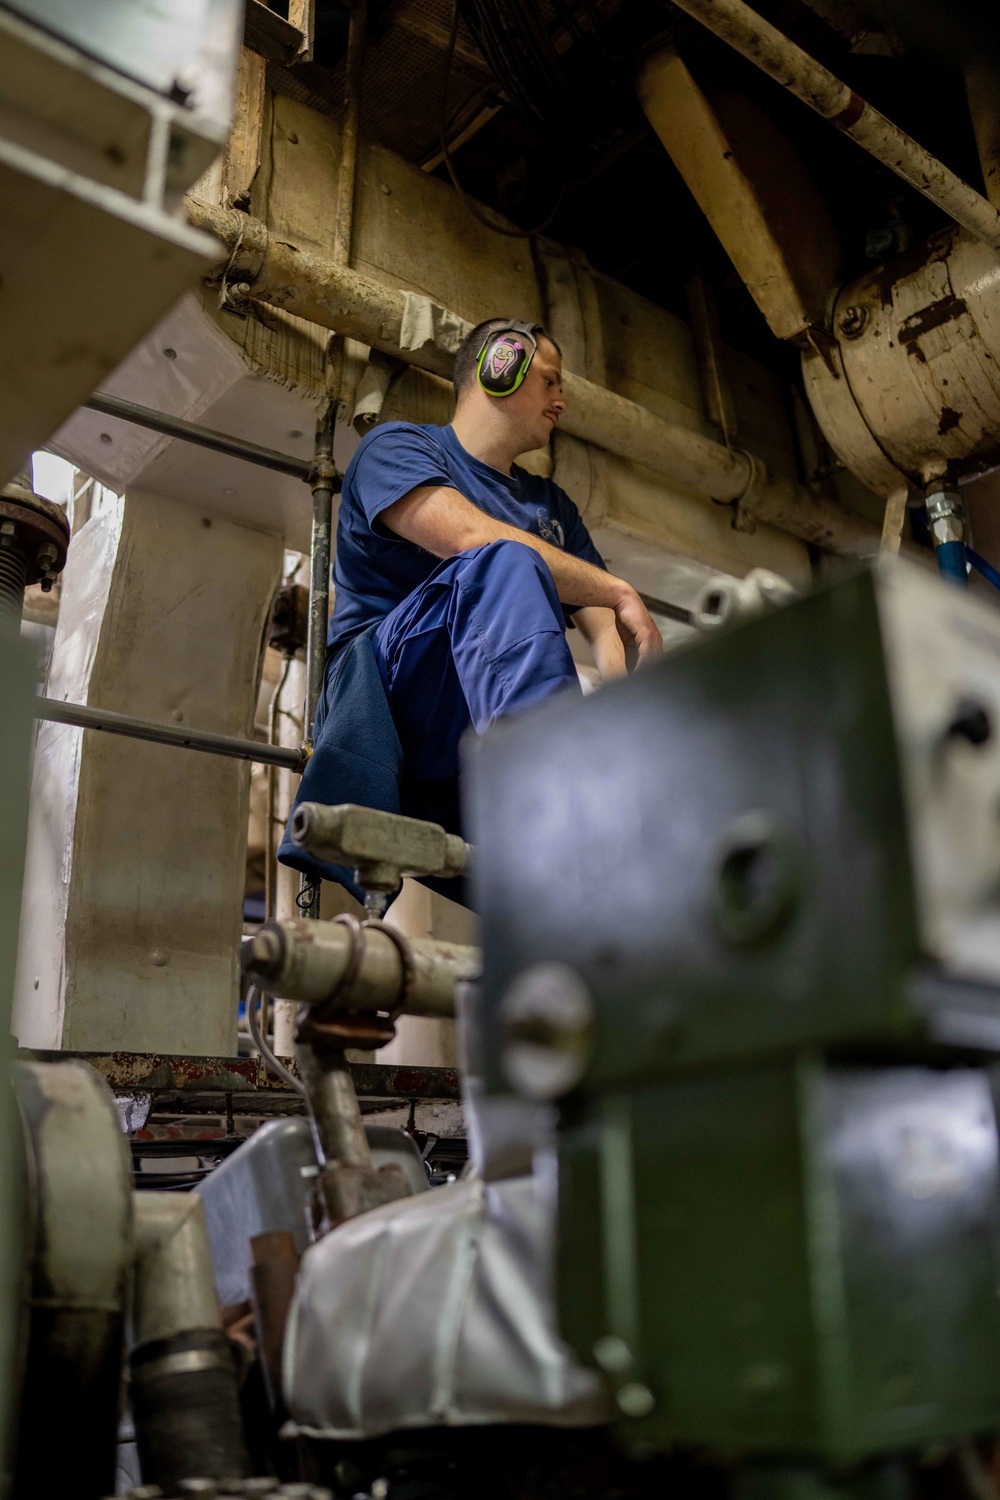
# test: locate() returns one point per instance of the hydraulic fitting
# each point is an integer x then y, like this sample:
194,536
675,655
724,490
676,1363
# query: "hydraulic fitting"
34,536
946,518
382,847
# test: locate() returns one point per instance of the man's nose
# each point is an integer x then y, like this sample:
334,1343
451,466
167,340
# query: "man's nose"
560,404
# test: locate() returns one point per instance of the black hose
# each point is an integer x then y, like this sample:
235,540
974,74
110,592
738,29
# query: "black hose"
469,203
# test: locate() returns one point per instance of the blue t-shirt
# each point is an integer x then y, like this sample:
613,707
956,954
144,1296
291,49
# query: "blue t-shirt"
375,570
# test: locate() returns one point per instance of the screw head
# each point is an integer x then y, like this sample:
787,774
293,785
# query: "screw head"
548,1020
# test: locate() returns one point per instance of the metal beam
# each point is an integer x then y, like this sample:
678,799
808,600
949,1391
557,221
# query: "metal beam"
150,1073
202,437
81,716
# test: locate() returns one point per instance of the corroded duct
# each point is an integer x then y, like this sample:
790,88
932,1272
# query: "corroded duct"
340,298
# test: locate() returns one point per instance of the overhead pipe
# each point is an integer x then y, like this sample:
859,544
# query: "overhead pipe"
347,301
202,437
781,59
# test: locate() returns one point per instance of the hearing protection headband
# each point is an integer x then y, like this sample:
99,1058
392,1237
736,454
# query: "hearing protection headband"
505,357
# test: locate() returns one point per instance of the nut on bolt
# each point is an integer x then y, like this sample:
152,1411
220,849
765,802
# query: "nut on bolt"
853,321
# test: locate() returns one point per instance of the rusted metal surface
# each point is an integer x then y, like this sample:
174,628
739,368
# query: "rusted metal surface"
153,1073
918,361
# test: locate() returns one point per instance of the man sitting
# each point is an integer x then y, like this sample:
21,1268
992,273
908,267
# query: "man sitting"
464,571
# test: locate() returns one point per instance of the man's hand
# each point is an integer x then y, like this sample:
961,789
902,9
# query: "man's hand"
639,636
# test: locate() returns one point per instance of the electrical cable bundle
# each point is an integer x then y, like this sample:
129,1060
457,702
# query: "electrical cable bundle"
568,92
573,110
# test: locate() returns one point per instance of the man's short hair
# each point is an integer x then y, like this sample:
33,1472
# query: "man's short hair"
467,356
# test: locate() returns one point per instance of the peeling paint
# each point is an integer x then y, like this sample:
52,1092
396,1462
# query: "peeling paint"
936,315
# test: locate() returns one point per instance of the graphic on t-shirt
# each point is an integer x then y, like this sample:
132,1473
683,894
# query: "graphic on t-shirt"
549,529
502,356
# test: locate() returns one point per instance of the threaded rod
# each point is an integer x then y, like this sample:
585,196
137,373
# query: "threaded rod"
13,577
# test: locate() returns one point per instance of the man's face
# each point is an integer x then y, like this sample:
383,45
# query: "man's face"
538,403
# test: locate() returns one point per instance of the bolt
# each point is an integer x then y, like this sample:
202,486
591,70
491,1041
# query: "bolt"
207,1488
45,557
853,321
240,291
8,528
613,1354
159,957
265,950
635,1400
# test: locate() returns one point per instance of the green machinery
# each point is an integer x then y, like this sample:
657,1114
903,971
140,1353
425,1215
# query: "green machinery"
742,921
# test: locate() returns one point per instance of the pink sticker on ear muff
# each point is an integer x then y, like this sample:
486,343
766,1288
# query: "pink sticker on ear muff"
502,357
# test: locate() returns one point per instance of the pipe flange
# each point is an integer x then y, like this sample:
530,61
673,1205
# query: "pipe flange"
36,528
756,482
406,961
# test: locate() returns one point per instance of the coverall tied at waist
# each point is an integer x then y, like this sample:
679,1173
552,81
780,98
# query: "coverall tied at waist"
480,639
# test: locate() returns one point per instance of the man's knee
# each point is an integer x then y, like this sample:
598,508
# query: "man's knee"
509,559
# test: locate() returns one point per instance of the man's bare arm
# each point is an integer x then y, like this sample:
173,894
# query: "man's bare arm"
599,628
444,523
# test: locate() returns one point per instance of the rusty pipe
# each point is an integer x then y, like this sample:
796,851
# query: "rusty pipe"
783,60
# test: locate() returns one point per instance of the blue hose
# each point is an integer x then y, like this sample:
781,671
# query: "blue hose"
983,568
951,561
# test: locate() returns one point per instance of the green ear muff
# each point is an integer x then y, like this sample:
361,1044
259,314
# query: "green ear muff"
505,358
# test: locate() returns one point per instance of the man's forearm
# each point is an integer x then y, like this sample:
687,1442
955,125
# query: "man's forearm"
445,523
442,521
